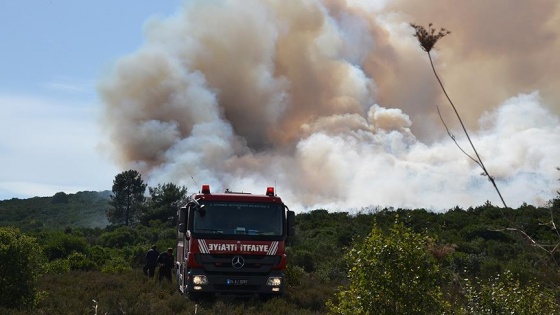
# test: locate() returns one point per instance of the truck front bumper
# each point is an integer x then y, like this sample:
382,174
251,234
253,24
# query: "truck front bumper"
199,281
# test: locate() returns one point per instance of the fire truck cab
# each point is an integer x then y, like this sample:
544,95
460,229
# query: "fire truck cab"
233,244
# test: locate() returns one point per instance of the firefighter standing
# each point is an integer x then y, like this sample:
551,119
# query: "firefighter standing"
151,262
165,261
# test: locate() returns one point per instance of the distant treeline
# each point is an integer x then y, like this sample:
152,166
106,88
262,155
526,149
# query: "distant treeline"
82,209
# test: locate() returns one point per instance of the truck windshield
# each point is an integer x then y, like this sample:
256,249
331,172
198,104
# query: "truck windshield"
239,218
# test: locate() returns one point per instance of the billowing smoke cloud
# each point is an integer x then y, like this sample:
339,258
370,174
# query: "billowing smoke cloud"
333,102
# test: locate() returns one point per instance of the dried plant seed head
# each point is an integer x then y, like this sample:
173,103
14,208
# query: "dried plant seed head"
428,38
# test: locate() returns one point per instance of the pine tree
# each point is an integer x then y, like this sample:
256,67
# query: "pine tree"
127,199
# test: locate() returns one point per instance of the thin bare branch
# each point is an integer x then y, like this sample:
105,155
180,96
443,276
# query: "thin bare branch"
453,137
480,163
428,38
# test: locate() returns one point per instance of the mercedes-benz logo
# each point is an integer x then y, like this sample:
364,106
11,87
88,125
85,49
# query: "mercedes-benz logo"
237,262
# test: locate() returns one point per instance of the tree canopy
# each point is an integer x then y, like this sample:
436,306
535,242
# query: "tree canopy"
127,198
163,203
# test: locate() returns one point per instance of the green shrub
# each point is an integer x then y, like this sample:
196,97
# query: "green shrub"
504,294
116,265
99,255
391,273
79,261
21,262
121,237
310,293
58,266
294,274
58,244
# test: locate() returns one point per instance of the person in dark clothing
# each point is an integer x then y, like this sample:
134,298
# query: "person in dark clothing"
165,261
151,262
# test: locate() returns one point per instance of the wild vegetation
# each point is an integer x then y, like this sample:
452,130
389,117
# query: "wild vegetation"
83,209
373,261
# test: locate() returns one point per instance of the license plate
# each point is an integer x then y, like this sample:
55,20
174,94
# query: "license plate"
236,281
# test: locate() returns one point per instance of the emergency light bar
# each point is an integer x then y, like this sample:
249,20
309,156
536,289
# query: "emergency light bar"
205,189
270,191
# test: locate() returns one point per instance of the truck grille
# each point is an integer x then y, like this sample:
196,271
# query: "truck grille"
254,264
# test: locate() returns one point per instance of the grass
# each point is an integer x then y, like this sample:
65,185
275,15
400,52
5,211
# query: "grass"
94,292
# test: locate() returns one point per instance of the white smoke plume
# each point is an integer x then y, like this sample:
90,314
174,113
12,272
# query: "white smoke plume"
333,102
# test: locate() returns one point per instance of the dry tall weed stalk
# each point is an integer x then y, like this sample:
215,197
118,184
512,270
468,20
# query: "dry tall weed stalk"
428,38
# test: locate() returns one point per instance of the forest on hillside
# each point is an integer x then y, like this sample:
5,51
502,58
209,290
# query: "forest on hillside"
83,209
479,260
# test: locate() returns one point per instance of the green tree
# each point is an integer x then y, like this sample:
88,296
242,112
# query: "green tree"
127,198
21,261
391,273
60,197
164,201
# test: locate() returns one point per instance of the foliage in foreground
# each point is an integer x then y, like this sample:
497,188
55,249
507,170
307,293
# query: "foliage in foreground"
391,273
130,292
506,295
21,261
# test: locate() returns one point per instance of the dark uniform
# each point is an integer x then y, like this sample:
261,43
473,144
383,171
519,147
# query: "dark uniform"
165,261
151,262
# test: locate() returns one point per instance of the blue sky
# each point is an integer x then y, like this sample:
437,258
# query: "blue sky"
53,53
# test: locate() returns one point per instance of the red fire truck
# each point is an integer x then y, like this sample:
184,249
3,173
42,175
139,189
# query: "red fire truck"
233,244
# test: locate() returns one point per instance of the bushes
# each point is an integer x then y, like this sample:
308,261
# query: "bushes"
58,244
79,261
393,261
294,275
58,266
504,294
21,264
120,237
391,273
130,292
116,264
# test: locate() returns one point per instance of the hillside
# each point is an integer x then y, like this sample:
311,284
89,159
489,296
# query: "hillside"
471,245
82,209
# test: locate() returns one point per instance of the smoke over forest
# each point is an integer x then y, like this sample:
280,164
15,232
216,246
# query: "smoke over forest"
333,102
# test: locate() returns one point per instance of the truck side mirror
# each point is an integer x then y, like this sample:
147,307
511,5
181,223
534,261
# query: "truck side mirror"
182,215
291,223
198,208
182,228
